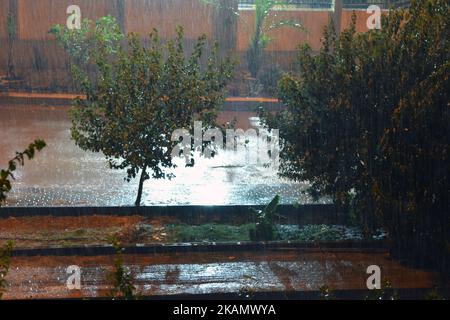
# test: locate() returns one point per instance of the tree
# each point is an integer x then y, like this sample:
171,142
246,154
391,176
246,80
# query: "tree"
136,95
264,23
6,175
367,124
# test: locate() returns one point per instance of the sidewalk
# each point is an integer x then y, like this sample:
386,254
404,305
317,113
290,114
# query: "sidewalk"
210,273
245,104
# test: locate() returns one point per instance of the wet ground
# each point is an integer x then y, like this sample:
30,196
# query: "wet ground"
94,230
64,175
212,273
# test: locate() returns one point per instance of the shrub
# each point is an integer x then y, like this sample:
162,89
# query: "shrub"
265,222
368,123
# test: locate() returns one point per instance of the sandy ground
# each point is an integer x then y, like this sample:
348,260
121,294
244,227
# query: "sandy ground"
200,273
32,232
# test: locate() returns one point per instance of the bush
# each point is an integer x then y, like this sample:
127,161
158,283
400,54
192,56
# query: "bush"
368,123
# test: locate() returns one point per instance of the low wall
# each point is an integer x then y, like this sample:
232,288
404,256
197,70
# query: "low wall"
44,65
304,214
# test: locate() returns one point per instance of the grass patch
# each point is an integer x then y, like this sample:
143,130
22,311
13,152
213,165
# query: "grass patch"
83,234
208,233
231,233
317,232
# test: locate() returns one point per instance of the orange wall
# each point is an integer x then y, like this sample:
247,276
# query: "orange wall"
43,63
166,15
36,17
288,38
4,9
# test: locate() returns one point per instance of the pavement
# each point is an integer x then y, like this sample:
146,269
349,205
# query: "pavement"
211,274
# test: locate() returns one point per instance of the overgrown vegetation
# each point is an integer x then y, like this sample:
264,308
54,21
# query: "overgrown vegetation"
379,141
5,262
6,175
138,95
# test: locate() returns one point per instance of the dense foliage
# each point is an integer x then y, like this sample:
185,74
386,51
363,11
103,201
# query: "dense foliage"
138,94
368,124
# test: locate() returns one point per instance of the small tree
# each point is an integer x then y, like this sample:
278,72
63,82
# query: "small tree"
138,95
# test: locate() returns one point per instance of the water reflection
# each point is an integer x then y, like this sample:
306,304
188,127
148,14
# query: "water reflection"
64,175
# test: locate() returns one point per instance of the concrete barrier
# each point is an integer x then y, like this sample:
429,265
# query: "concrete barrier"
304,214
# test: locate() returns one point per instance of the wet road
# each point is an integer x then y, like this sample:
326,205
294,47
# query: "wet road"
64,175
210,273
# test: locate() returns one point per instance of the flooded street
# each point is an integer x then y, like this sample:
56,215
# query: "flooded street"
64,175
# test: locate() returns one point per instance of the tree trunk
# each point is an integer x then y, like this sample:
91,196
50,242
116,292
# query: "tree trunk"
141,186
10,74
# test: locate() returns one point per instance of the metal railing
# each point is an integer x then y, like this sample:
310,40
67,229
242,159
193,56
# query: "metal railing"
328,4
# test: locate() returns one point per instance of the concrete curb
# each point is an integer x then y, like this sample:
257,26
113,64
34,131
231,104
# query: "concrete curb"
65,99
341,246
304,214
